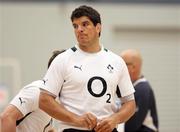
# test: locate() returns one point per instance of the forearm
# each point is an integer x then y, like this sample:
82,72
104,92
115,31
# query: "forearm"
58,111
125,112
8,124
9,117
109,123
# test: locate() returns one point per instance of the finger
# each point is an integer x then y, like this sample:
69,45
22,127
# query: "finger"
84,121
101,126
98,126
100,129
104,129
88,122
92,119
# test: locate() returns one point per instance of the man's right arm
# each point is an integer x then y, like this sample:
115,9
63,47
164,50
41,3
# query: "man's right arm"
48,104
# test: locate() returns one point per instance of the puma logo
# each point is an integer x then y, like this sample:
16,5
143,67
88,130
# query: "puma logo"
21,101
45,81
78,67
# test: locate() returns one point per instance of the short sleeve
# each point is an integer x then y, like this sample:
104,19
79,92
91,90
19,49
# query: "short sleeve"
27,100
125,85
53,78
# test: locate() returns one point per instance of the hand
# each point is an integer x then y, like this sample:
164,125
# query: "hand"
87,120
106,125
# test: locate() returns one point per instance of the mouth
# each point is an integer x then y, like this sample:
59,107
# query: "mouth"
82,36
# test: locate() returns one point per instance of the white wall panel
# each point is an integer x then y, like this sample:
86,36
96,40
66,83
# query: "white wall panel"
30,31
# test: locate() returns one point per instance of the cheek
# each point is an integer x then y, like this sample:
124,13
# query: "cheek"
130,69
75,32
93,33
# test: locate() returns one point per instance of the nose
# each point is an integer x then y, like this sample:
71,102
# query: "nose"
80,29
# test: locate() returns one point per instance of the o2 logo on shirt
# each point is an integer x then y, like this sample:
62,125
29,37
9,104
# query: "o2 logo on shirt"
104,84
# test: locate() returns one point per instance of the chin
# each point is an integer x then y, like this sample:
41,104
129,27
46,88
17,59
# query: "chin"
83,43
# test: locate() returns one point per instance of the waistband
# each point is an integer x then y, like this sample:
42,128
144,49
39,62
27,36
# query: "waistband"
76,130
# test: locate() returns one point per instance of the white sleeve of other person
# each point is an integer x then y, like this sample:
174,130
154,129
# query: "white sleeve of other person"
27,99
27,102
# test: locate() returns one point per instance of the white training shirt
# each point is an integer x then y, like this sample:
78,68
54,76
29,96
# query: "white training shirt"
26,101
87,82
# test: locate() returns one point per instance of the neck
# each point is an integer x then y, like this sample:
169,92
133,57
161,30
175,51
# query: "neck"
90,48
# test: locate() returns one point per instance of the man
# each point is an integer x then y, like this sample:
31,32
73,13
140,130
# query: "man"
145,118
88,79
23,113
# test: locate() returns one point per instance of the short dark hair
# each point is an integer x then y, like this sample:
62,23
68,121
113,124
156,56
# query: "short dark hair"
54,54
87,11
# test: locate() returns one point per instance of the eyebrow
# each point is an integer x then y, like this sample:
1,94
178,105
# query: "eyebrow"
86,21
129,63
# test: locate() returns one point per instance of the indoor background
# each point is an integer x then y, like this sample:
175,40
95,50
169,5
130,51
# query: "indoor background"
30,31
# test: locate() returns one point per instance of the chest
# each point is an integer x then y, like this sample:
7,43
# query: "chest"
92,71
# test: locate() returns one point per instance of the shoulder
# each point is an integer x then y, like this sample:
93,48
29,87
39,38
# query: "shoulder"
115,59
143,85
113,55
60,59
34,86
66,54
32,90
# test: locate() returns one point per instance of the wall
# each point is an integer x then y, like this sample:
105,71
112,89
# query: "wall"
31,31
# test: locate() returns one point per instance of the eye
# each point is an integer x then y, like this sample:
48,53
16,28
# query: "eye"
75,26
85,24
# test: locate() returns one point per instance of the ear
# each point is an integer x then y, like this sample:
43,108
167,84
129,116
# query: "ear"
134,69
98,27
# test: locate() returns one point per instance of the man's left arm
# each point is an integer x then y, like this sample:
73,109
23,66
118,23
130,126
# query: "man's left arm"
124,113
